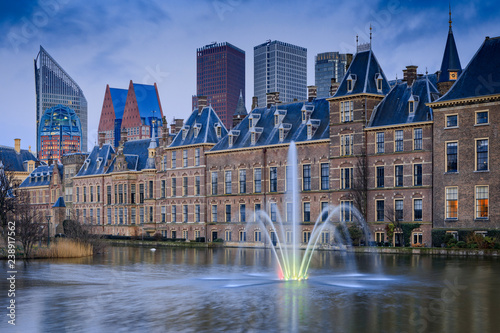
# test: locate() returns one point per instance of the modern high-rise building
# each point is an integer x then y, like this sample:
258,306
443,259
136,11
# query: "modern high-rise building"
328,66
220,76
53,86
280,67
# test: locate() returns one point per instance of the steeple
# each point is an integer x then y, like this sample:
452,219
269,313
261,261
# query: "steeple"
450,66
150,163
241,111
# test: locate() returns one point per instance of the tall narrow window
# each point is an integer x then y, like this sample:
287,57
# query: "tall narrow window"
273,179
417,139
163,214
184,213
482,197
132,193
325,176
398,210
185,158
108,194
243,181
274,212
85,194
197,185
452,202
163,187
398,175
380,210
197,213
214,182
417,210
380,142
91,194
346,145
197,157
289,178
452,157
346,210
346,111
242,213
141,215
257,179
306,177
346,178
214,213
98,193
174,187
141,193
228,184
228,213
398,140
151,189
417,175
380,176
324,211
184,186
120,193
174,213
151,214
307,212
482,155
174,159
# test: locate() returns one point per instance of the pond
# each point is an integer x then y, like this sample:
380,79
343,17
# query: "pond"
132,289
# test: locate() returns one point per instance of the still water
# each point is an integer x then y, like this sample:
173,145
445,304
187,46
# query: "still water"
131,289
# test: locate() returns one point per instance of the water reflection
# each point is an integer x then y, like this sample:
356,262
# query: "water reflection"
175,289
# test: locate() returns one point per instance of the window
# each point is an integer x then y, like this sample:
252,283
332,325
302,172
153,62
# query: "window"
228,188
109,215
257,236
398,140
85,194
345,210
214,182
174,187
481,155
306,177
243,181
307,212
163,214
185,158
257,180
163,187
380,210
197,185
164,163
197,157
132,215
324,211
417,210
482,202
273,179
214,213
346,178
98,217
417,175
98,193
151,214
380,142
141,215
398,175
174,213
289,212
184,213
174,159
242,213
481,117
141,193
306,236
380,176
417,139
108,194
452,202
197,213
185,234
120,193
151,189
227,235
184,186
417,237
452,157
91,194
243,236
228,213
451,120
346,145
78,195
398,210
325,176
274,212
346,111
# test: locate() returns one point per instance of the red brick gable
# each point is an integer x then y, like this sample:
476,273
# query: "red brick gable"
107,121
131,115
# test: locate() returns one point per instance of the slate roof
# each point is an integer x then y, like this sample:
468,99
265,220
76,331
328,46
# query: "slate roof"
119,98
241,110
481,77
366,67
41,176
59,203
204,123
296,130
451,61
147,102
14,161
96,162
393,109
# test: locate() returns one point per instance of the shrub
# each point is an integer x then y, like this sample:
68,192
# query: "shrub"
461,244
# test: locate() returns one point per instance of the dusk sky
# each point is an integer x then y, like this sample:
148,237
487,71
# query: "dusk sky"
113,42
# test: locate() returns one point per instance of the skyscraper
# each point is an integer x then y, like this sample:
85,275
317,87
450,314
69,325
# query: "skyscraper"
220,75
328,66
280,67
53,86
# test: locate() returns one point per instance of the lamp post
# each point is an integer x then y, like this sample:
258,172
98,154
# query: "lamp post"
48,230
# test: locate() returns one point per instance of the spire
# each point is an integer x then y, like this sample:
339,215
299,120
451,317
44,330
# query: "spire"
370,35
450,17
241,110
450,66
150,163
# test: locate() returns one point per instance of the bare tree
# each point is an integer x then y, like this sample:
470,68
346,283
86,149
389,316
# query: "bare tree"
359,188
28,225
7,198
392,216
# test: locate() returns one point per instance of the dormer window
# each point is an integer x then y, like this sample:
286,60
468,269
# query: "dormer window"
309,131
218,130
255,134
282,134
185,131
307,110
378,80
253,119
276,120
312,127
233,135
98,162
351,81
86,164
196,128
412,104
279,115
283,131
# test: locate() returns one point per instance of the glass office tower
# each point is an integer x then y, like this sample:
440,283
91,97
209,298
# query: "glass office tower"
329,65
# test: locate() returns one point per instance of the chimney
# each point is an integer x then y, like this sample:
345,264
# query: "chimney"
272,98
312,93
17,145
102,138
255,102
202,103
410,74
178,125
348,60
334,85
172,126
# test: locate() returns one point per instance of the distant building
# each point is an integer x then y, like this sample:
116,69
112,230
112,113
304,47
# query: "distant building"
53,86
20,162
60,133
220,76
328,66
136,110
280,67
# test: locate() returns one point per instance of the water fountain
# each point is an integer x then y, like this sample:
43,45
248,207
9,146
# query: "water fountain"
293,260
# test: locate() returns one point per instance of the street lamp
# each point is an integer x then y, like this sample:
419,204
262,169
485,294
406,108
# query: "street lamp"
48,230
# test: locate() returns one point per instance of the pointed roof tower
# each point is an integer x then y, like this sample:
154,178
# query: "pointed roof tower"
150,163
241,111
450,66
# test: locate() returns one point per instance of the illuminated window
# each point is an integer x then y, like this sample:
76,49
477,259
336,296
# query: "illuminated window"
482,199
452,202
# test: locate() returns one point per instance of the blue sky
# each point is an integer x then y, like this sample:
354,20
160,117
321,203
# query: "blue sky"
113,42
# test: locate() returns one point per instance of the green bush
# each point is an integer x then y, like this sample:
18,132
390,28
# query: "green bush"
461,244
